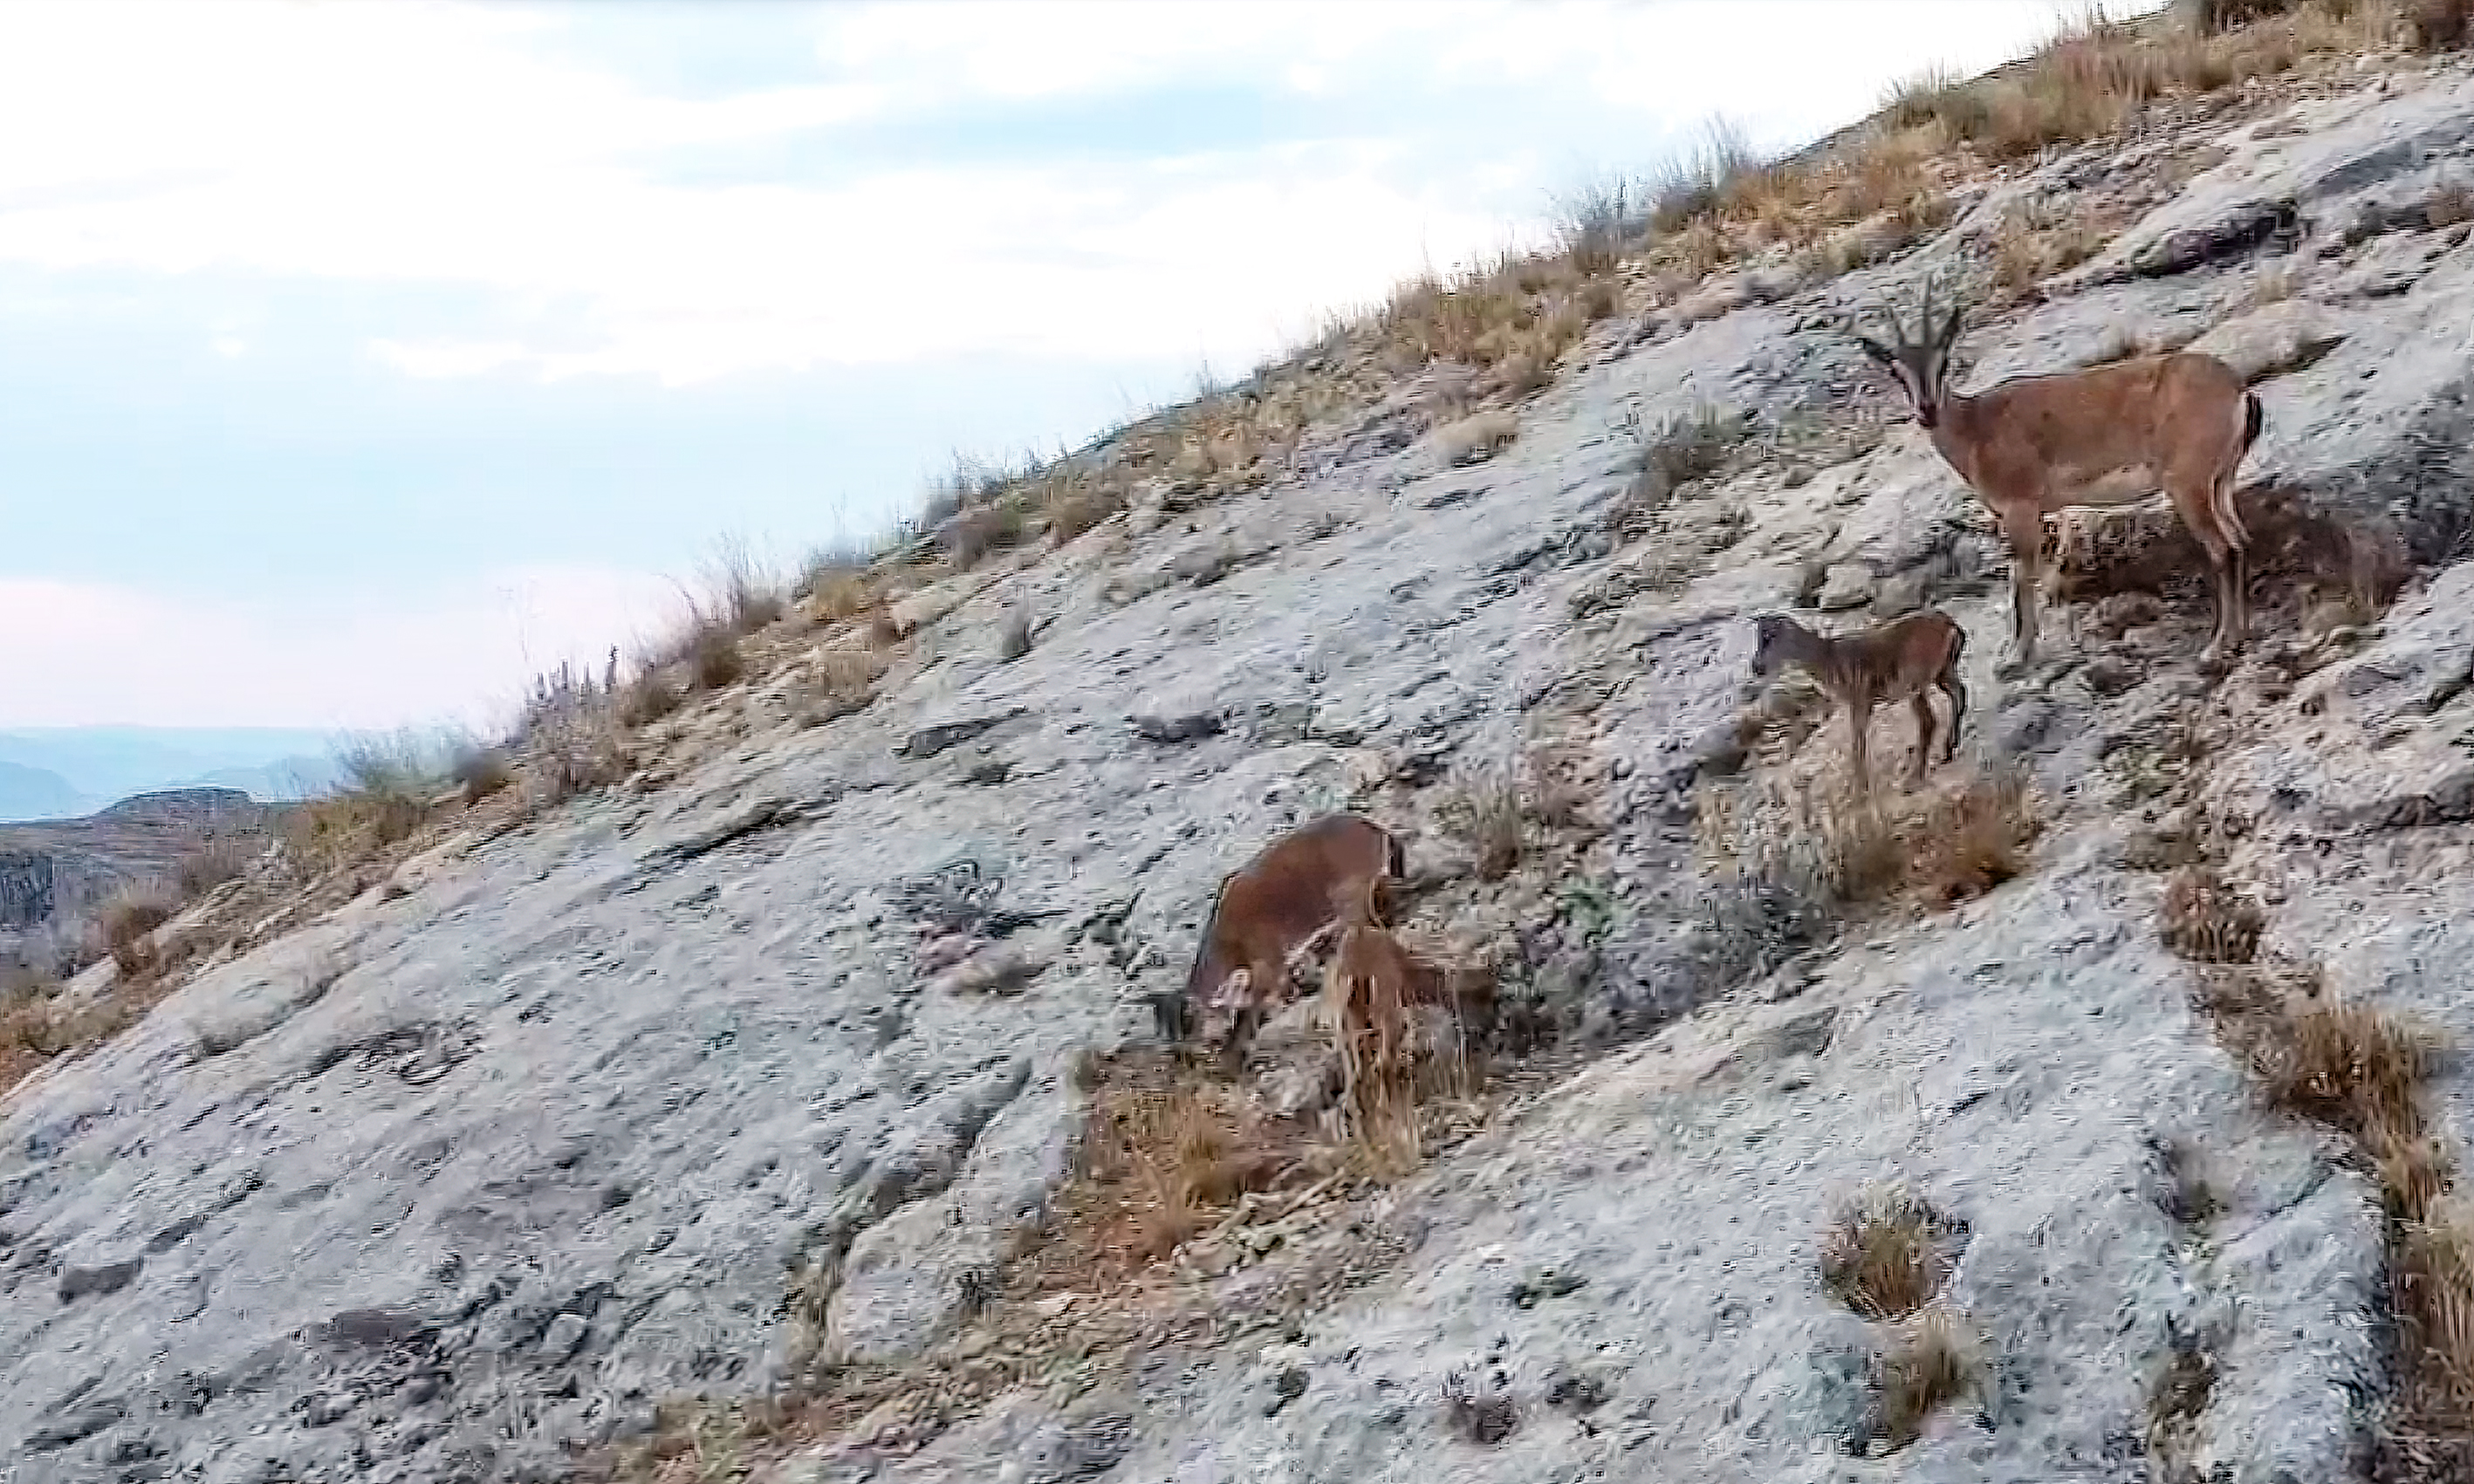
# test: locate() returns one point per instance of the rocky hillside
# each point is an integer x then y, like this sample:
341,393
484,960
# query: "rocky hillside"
55,875
779,1110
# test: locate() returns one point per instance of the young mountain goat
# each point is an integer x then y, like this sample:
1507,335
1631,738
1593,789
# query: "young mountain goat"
1277,902
2109,435
1898,661
1368,990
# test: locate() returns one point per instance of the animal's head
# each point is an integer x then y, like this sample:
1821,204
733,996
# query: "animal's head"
1769,637
1921,364
1220,1004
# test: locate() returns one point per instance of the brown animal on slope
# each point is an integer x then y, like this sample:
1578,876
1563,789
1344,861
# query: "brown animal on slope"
1367,989
1275,904
2110,436
1898,661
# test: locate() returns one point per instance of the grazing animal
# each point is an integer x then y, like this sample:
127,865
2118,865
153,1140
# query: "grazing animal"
2110,436
1898,661
1367,987
1275,904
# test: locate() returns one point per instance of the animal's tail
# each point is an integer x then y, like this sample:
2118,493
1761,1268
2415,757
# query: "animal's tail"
2254,418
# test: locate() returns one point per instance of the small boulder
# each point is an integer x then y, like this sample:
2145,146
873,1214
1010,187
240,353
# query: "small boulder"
1844,585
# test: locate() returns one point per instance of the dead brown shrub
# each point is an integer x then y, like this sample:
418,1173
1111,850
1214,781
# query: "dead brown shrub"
2434,1276
1165,1151
2204,920
2351,1066
213,862
2177,1399
1969,841
1883,1258
1014,635
1484,811
1929,1363
126,925
2437,25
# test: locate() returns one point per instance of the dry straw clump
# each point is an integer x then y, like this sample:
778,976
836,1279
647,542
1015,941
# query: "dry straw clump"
2206,920
126,927
1930,1361
1166,1151
1883,1258
1945,844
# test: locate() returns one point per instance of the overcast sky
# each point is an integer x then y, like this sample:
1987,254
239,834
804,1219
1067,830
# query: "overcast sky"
358,357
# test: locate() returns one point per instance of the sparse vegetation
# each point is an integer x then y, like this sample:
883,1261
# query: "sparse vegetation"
481,768
1484,810
1882,1257
1164,1153
2207,922
2178,1397
1014,635
1478,436
1672,455
1930,1362
217,860
1946,843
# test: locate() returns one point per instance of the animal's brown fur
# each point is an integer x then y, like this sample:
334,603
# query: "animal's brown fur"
1368,990
2113,435
1277,902
1898,661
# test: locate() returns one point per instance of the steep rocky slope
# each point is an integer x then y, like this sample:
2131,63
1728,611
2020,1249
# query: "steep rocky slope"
655,1094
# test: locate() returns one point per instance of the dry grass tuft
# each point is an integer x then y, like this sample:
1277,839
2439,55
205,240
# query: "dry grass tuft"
2438,25
1478,436
388,783
1165,1152
573,739
1673,455
844,681
2432,1273
2351,1066
1484,811
1947,843
480,769
1969,841
2035,242
1597,220
2207,921
37,1024
1931,1362
126,927
226,858
1883,1258
2177,1399
1014,635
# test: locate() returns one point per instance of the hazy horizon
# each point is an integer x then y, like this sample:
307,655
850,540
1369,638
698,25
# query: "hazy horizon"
325,406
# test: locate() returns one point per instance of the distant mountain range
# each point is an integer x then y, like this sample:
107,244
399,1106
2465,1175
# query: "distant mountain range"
58,773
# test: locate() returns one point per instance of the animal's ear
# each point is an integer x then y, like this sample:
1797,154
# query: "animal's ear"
1949,328
1878,351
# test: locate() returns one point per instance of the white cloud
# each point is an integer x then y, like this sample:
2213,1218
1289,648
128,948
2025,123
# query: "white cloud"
439,144
82,652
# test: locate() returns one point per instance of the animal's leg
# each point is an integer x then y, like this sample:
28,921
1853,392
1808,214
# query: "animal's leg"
1922,708
2221,563
2025,530
1957,689
2238,543
1859,725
